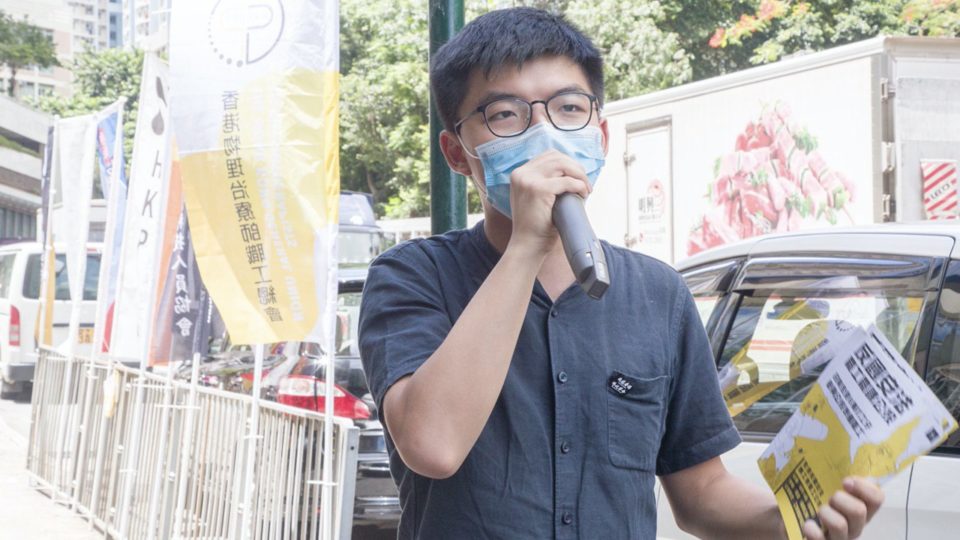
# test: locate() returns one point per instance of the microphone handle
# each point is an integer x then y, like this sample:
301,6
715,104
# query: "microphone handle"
583,250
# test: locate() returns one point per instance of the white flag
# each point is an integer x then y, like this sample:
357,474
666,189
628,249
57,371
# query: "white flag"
77,138
146,205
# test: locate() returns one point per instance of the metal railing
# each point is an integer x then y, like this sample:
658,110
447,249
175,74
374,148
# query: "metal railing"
190,472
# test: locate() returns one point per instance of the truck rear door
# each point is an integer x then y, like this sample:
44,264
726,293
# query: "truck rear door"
650,190
926,109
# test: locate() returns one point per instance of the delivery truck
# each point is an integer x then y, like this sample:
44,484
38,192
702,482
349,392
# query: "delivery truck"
862,133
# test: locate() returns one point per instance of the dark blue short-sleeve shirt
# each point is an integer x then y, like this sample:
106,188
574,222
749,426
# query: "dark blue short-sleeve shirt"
600,395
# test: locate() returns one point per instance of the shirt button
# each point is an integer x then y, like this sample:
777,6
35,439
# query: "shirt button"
562,377
554,313
565,447
567,518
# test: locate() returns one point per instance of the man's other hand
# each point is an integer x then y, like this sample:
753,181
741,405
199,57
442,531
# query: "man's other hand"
848,511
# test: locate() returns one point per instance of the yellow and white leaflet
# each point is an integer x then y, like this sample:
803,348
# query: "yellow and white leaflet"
869,414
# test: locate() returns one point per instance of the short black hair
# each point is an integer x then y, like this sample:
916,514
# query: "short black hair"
507,37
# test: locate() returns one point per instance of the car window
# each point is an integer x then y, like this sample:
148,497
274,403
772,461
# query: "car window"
348,320
943,368
31,281
763,375
708,285
6,273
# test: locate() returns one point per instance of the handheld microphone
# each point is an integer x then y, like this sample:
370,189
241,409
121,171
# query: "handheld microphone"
583,250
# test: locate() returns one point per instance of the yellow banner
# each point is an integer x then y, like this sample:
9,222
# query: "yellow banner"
255,109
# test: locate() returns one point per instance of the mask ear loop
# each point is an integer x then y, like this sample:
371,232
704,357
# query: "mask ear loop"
464,146
482,191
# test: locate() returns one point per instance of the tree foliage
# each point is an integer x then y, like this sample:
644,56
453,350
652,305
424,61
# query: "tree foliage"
384,137
647,45
21,45
100,78
772,29
384,85
639,55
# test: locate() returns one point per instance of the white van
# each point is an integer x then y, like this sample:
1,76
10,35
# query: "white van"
20,285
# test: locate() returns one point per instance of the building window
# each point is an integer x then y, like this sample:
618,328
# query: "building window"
26,88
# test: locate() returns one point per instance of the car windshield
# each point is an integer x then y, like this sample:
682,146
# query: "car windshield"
358,248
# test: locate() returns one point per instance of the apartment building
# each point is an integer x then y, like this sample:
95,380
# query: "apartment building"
78,25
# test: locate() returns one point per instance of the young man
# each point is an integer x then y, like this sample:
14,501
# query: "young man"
514,405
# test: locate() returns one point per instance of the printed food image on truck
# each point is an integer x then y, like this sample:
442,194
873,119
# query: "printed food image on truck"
767,150
774,180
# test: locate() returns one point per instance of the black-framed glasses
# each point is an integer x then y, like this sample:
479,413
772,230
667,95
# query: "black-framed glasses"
511,116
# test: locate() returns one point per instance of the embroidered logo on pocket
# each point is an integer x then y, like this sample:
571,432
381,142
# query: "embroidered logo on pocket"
620,383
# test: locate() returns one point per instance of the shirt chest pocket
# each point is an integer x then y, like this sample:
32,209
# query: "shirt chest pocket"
635,412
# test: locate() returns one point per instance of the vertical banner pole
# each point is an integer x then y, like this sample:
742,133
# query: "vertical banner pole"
108,255
77,193
43,234
109,379
160,465
327,483
158,136
132,461
49,257
186,450
249,482
85,422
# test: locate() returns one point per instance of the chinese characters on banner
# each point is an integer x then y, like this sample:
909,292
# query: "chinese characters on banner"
247,222
255,101
181,327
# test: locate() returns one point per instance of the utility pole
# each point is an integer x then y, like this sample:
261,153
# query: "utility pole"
448,190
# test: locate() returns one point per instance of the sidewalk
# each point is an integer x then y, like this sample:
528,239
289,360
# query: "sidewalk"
25,512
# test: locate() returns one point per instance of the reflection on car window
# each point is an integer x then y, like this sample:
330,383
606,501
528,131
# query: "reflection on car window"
707,285
6,274
348,320
32,277
943,370
705,306
763,373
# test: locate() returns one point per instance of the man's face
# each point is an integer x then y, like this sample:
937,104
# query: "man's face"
538,79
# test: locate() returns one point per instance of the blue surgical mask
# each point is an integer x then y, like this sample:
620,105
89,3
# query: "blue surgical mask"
501,156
